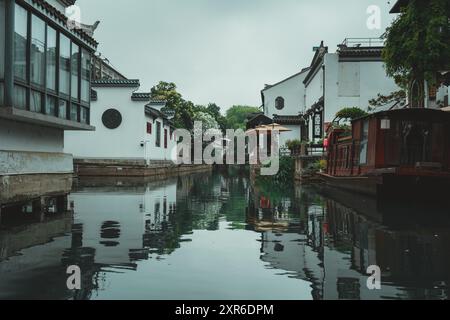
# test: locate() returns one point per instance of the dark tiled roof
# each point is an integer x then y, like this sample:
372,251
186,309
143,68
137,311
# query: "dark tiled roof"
61,18
360,52
284,80
399,5
288,119
116,83
257,120
316,63
254,114
157,102
68,3
155,113
141,96
168,112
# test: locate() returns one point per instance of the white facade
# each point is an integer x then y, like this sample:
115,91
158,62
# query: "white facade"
292,93
292,90
130,140
350,77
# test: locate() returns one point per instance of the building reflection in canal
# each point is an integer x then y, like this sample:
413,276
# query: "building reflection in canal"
313,243
314,237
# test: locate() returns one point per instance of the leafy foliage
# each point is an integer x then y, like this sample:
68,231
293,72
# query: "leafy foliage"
294,144
214,111
284,176
351,113
393,97
237,115
418,43
183,109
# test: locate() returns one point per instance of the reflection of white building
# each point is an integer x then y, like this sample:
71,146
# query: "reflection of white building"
129,126
114,222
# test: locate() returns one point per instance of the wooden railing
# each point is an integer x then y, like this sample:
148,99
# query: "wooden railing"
343,158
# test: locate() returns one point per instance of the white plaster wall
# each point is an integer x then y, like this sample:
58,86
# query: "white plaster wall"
293,92
314,90
374,81
153,152
121,143
353,84
20,136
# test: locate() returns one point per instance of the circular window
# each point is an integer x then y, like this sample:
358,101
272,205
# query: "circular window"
112,119
279,103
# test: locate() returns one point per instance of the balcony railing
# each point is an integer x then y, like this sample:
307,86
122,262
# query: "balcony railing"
363,42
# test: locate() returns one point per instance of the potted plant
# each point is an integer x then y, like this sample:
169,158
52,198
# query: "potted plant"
294,146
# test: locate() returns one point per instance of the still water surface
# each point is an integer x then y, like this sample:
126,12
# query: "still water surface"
218,236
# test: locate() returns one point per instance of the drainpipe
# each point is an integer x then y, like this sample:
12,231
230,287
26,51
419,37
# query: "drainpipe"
9,52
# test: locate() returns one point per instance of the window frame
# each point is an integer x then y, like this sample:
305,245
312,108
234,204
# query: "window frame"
279,100
158,134
45,92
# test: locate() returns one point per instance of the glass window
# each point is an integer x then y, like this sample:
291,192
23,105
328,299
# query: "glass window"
2,45
50,106
364,142
149,128
279,103
1,94
158,134
35,101
51,58
75,58
62,109
20,97
85,75
74,112
64,64
20,42
84,115
37,63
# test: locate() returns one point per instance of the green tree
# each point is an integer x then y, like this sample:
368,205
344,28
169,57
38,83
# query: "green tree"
237,115
418,46
183,109
350,113
213,110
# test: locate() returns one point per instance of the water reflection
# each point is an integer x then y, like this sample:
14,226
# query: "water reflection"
209,236
319,236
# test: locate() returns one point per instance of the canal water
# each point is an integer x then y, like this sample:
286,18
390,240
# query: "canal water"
220,236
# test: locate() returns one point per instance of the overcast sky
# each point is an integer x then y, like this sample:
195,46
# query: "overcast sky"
223,51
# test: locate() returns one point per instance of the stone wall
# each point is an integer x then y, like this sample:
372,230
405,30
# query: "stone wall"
133,168
20,162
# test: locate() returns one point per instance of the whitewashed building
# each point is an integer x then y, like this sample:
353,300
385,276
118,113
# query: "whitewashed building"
309,100
44,91
283,103
349,77
129,126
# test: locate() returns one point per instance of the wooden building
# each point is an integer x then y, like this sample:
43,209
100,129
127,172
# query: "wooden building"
398,148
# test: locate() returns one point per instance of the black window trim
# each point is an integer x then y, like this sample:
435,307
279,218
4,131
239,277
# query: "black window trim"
44,91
